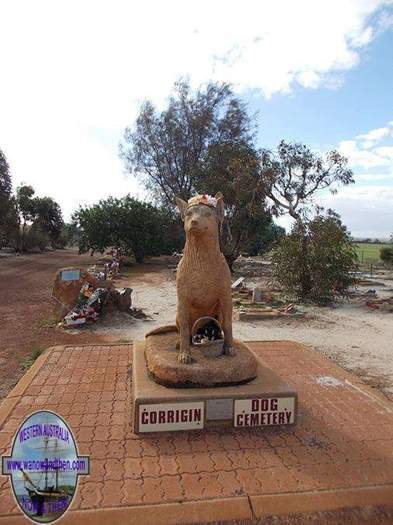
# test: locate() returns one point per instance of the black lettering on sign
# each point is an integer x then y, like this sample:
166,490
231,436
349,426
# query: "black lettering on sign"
264,405
263,411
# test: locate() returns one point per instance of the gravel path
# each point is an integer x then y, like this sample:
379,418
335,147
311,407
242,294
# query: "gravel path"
357,338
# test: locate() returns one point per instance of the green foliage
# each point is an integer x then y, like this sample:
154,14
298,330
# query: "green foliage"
8,213
233,170
34,237
5,178
169,149
133,227
48,218
293,174
70,234
314,262
43,214
386,254
202,143
266,239
26,202
35,354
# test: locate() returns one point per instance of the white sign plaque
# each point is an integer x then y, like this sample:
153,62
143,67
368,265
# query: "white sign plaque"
70,275
161,417
264,411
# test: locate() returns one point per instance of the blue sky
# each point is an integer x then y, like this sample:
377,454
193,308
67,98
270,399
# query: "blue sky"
75,73
323,117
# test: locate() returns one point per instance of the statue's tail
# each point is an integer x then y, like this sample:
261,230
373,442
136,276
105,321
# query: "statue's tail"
163,330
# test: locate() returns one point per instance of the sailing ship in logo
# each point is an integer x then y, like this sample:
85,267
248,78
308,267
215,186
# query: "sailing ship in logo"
48,496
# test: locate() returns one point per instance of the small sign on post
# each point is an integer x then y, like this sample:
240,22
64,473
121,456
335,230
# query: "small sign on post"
70,275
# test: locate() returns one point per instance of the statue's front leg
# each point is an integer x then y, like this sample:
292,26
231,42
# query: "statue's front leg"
226,305
184,330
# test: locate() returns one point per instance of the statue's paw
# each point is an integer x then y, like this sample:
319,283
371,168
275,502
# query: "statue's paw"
184,357
228,350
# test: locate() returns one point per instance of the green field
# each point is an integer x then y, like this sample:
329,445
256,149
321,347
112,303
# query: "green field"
369,253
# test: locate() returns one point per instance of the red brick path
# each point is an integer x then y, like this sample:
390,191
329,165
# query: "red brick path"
343,437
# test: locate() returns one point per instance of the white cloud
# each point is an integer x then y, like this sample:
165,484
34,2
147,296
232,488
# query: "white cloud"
73,73
364,152
366,207
366,210
375,177
372,137
385,152
358,156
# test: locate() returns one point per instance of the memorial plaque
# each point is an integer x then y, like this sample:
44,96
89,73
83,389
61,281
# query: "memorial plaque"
264,411
162,417
219,409
70,275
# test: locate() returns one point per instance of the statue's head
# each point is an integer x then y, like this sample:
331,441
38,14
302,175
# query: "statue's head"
202,213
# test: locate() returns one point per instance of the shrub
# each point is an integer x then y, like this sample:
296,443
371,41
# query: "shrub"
386,254
35,238
133,227
315,261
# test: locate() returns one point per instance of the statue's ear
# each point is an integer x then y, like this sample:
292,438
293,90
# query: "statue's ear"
220,206
181,205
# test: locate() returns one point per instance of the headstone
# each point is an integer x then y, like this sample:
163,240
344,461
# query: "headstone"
66,288
237,283
257,295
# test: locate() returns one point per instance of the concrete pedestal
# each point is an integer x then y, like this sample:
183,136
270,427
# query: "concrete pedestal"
264,401
207,369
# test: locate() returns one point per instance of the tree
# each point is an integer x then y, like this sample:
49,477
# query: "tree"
70,234
48,218
265,239
294,175
5,178
386,254
42,215
8,215
25,206
233,170
131,226
202,143
321,272
168,149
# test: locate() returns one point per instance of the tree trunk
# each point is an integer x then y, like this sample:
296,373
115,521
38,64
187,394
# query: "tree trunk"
305,279
230,247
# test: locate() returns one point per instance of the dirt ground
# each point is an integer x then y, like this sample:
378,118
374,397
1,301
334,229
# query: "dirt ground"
26,308
357,338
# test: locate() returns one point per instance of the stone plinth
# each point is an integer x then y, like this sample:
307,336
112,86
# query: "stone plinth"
206,369
266,400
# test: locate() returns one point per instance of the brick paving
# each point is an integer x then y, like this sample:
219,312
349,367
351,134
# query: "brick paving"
343,438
